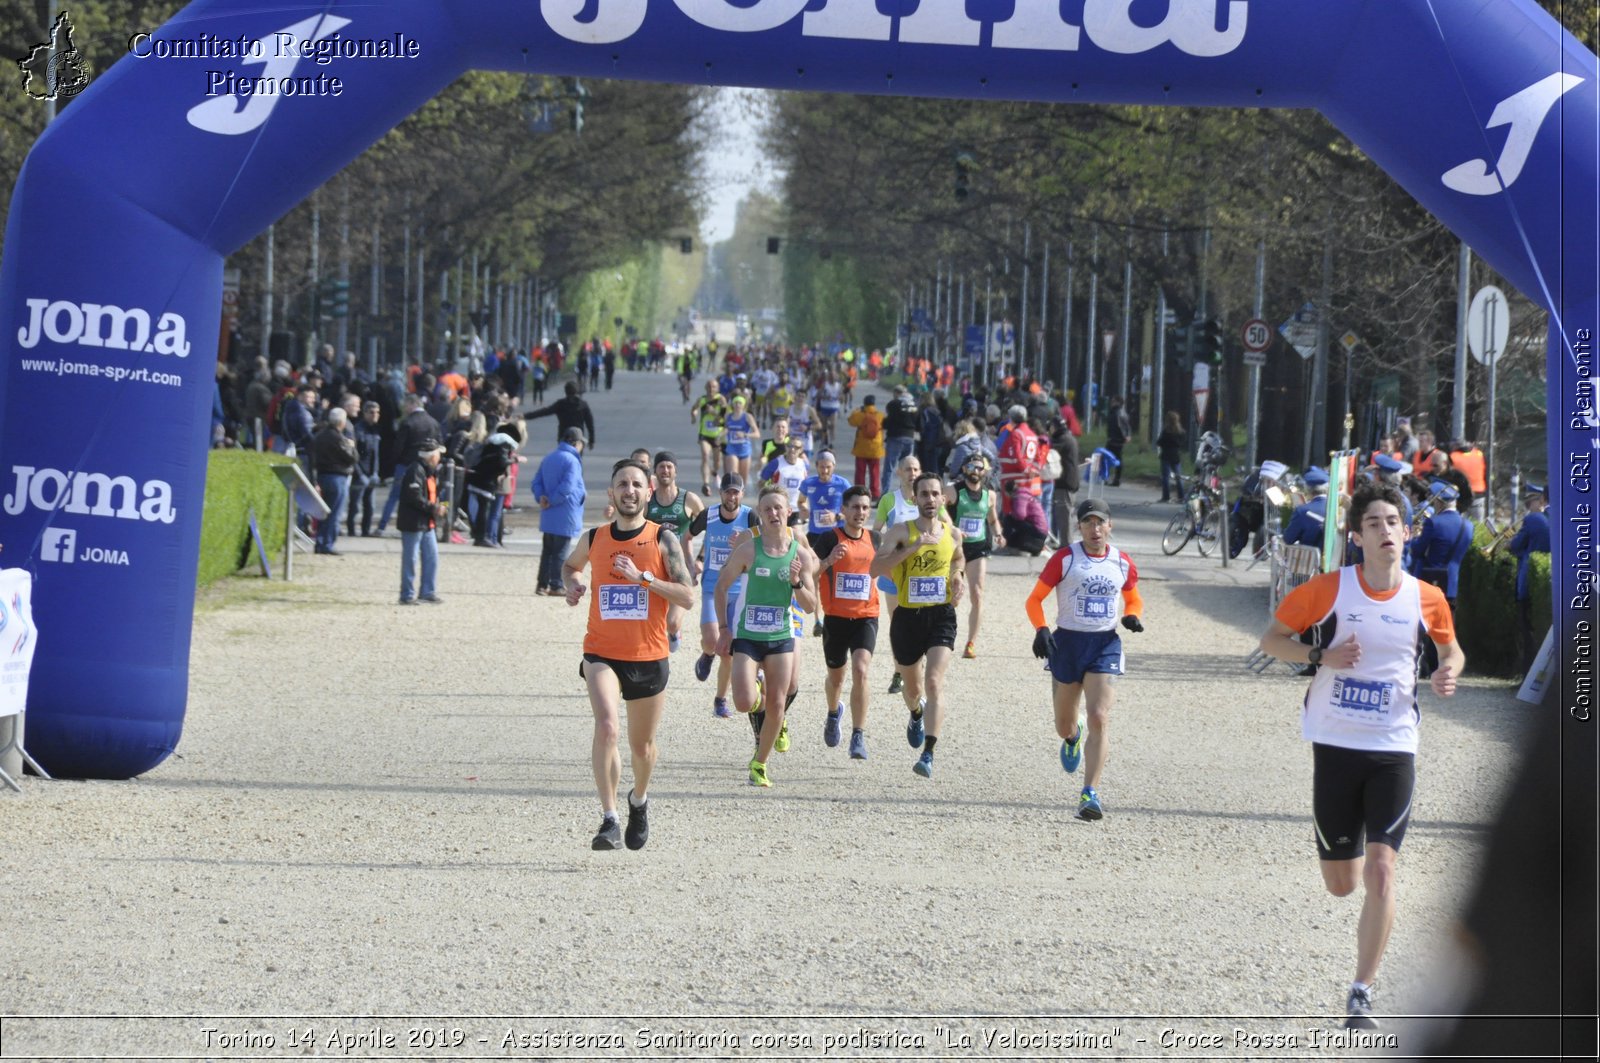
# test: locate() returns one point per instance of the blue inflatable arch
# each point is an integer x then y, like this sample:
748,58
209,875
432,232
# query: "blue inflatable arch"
110,291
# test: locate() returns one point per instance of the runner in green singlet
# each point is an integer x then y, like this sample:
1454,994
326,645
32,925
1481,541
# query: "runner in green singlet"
781,570
977,517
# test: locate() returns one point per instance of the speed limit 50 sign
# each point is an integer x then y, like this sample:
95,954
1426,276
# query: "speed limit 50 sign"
1256,335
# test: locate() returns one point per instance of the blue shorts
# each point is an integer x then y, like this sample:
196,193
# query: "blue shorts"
708,607
741,449
1075,653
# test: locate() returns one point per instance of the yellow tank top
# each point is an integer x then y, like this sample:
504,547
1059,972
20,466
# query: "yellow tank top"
923,578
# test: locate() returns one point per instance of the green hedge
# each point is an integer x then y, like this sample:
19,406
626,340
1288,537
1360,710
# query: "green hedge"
236,482
1487,619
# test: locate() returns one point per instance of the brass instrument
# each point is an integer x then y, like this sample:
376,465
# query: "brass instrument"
1423,512
1502,537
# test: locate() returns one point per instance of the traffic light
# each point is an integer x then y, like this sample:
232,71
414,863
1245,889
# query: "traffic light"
578,94
964,163
1183,343
774,245
1211,343
686,245
333,298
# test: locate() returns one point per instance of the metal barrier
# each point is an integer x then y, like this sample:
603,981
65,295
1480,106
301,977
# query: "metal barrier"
1291,566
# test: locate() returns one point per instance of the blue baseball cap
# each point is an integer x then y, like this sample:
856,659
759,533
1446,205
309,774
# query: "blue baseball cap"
1315,476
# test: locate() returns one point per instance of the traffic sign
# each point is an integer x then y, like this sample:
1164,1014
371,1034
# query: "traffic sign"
1256,335
1349,341
1301,330
1488,325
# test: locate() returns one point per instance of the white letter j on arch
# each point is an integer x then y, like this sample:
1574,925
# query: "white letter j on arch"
219,116
1525,113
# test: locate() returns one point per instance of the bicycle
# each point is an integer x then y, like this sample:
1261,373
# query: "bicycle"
1201,516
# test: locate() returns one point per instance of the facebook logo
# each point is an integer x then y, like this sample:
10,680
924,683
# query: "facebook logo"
59,544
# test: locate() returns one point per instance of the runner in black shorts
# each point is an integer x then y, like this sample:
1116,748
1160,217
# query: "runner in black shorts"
850,628
638,569
1361,713
923,558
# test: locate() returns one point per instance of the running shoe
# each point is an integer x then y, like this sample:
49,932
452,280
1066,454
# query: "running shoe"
1089,804
758,774
609,836
673,642
1358,1009
858,745
914,733
1072,753
971,652
830,727
719,708
924,766
638,824
896,684
782,744
702,668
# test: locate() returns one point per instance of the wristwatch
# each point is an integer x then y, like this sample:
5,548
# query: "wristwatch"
1315,656
647,578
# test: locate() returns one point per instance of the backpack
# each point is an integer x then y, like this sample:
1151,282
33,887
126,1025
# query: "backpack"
870,428
1052,465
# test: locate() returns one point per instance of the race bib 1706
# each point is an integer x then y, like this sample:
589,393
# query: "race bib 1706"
621,601
925,590
855,586
1361,695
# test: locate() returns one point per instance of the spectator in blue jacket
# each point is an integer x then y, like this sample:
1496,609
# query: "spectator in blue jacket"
558,485
1446,537
1305,526
1533,537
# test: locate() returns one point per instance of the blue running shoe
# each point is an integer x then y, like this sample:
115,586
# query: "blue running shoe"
702,667
924,766
719,708
858,746
1072,753
914,734
1089,804
830,727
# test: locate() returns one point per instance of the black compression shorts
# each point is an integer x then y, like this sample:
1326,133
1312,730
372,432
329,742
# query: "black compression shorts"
638,679
914,630
843,635
1356,792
